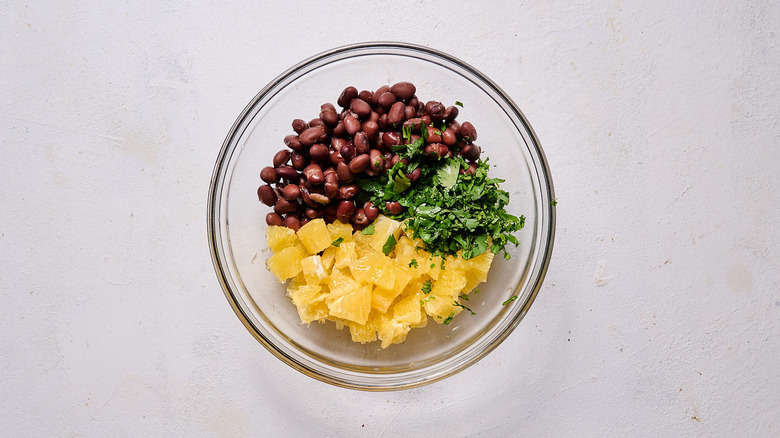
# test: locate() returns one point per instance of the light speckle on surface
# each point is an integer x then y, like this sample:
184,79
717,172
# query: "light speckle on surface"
660,124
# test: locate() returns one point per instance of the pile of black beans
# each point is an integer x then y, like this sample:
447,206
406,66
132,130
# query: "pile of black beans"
315,175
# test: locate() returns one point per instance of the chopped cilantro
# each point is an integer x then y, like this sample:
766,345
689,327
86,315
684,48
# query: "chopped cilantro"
426,287
457,102
389,245
512,298
464,307
337,242
442,264
449,318
413,263
369,230
553,202
433,265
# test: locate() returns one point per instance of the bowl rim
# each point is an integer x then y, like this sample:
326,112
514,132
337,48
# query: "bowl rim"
213,206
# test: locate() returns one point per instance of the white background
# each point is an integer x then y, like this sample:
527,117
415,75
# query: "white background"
660,315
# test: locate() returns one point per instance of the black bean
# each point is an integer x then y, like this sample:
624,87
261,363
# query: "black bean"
314,175
348,191
404,90
345,210
396,114
293,142
393,207
359,218
268,174
361,142
359,163
313,135
283,206
281,157
298,125
351,124
470,152
371,210
319,152
292,222
386,100
287,173
344,174
274,219
298,161
449,137
468,132
346,96
377,161
266,195
361,108
348,152
291,192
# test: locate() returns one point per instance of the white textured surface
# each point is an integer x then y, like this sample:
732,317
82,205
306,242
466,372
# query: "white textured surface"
660,315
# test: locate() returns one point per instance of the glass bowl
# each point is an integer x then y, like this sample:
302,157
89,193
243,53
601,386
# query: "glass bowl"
236,224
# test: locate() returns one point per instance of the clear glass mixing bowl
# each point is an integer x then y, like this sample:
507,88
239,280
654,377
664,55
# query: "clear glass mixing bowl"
236,225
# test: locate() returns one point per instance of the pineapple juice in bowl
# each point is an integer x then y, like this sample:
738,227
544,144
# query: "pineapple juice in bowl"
238,234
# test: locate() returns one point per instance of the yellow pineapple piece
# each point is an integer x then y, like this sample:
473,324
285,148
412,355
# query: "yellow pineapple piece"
374,268
440,307
341,283
403,275
381,298
450,282
313,270
408,310
363,333
315,236
345,255
309,300
477,269
279,238
384,227
390,331
353,306
328,256
405,251
339,229
286,263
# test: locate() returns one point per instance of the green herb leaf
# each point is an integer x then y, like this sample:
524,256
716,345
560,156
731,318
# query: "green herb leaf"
464,307
449,318
448,174
337,242
426,287
413,263
369,230
459,103
389,245
512,298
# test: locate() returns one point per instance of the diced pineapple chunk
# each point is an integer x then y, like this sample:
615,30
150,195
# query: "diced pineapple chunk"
477,270
313,269
382,298
354,306
286,263
450,282
308,299
345,255
279,238
340,230
408,310
341,283
383,228
315,236
391,331
363,333
374,268
328,256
